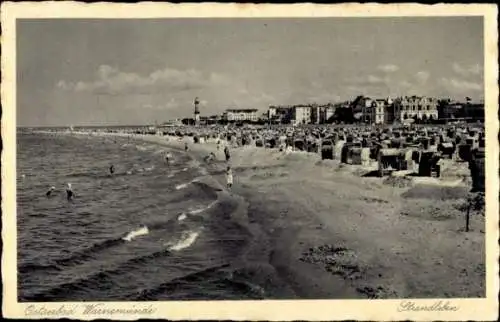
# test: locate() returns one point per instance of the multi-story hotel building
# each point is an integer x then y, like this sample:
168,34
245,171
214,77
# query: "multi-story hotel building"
301,115
232,115
422,108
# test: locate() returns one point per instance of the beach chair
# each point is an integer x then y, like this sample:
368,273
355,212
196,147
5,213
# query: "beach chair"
477,170
299,145
327,150
428,164
465,151
388,161
447,149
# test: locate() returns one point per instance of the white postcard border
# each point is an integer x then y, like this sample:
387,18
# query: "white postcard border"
467,309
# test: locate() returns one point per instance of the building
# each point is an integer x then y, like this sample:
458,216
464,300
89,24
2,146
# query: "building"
362,109
301,114
171,123
209,120
382,111
474,111
448,109
416,107
315,113
378,111
327,113
279,114
239,115
322,114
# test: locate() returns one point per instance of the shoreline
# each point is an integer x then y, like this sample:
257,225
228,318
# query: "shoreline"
334,234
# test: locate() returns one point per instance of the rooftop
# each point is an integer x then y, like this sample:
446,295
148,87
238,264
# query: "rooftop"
242,110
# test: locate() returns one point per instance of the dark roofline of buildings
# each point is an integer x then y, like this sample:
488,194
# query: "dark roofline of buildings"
241,110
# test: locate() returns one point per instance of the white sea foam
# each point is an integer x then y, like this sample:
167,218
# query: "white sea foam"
186,240
182,217
136,233
197,211
182,186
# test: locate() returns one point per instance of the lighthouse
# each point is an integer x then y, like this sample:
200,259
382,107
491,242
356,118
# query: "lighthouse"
196,111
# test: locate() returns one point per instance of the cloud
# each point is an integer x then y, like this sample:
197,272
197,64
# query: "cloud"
422,76
369,80
324,98
467,71
405,84
388,68
112,81
170,105
453,84
375,79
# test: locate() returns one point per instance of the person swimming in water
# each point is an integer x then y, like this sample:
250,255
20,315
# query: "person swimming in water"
69,192
49,193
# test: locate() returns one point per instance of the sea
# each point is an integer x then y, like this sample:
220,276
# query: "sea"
150,231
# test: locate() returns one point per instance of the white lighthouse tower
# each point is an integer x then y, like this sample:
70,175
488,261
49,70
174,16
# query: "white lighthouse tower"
196,111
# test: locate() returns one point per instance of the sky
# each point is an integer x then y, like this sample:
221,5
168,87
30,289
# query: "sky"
132,71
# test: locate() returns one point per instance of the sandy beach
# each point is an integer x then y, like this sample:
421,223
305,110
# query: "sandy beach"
335,234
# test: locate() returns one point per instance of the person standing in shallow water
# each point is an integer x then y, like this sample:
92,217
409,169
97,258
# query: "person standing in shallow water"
185,146
49,193
69,192
226,152
111,169
229,178
167,158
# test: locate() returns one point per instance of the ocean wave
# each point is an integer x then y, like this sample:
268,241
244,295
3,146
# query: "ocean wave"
151,294
199,210
187,239
136,233
29,268
87,253
99,280
182,186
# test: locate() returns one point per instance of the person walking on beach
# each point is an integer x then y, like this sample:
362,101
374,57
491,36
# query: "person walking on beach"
69,192
226,152
229,178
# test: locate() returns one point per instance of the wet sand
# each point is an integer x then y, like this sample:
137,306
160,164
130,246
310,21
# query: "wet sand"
335,234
